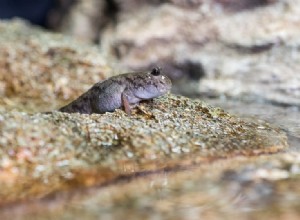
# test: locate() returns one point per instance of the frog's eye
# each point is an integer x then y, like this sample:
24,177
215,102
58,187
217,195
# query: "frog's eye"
156,71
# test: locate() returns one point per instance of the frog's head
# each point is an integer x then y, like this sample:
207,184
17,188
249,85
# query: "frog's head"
153,84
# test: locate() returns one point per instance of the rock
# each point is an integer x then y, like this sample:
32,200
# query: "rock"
219,44
248,54
81,19
265,187
57,149
44,67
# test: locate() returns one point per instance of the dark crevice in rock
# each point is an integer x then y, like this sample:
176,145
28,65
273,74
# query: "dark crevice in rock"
281,104
112,9
253,49
240,5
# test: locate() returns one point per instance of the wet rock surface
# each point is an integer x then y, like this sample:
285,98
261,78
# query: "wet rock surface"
264,187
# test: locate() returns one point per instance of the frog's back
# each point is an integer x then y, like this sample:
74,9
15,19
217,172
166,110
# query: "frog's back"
104,96
80,105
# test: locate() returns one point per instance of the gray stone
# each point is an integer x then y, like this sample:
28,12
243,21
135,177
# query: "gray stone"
249,54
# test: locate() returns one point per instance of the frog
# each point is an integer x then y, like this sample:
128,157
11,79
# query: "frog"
121,91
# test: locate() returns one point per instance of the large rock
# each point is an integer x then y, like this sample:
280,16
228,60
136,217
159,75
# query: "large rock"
249,54
43,153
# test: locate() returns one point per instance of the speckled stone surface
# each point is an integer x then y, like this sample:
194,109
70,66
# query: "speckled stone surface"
46,150
44,67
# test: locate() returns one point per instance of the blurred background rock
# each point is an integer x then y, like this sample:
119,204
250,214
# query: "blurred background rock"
214,48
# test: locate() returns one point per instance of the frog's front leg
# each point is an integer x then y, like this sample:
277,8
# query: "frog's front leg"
125,103
129,100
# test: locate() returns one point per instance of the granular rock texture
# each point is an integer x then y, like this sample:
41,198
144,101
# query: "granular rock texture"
44,67
46,151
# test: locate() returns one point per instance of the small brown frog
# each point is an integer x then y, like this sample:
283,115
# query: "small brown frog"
121,91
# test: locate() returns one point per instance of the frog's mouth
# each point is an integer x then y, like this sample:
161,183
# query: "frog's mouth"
151,92
146,95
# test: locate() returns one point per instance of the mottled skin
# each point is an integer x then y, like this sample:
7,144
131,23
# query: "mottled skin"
120,91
